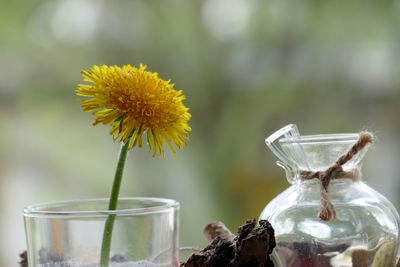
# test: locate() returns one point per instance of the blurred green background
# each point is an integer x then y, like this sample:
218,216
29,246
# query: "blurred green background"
247,68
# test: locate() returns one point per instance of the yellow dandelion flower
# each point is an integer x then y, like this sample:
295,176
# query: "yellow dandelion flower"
133,101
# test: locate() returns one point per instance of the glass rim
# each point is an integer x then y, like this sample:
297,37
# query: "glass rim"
162,205
320,138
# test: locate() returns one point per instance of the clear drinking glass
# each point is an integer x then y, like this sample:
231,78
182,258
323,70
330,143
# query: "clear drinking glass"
366,229
69,233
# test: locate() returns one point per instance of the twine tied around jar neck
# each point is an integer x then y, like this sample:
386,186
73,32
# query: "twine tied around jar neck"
327,210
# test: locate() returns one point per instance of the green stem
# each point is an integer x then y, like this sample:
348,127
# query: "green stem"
108,228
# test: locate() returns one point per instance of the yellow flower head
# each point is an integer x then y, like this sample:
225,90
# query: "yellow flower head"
133,101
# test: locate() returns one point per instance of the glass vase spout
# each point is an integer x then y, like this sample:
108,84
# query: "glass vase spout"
365,228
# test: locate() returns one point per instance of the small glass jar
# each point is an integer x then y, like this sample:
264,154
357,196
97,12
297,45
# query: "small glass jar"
69,233
366,229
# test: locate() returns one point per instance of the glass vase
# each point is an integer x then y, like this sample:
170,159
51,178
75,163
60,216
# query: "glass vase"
70,233
365,231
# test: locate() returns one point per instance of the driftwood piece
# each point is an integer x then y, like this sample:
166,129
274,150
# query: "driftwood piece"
217,228
251,247
23,259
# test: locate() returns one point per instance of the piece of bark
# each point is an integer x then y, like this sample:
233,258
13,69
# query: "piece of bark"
251,247
23,259
254,244
218,254
217,228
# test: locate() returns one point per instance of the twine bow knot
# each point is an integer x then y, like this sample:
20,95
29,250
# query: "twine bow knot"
327,210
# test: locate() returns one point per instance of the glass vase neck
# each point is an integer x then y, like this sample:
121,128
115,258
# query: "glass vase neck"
311,152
